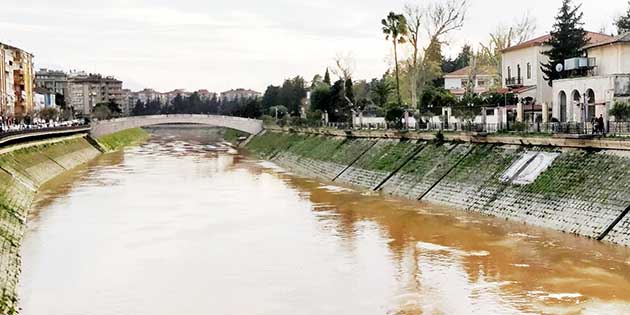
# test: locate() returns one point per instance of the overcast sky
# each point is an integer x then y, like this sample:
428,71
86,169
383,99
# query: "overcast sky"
218,45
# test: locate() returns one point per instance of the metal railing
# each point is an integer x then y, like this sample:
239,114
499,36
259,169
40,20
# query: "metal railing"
514,81
31,130
619,128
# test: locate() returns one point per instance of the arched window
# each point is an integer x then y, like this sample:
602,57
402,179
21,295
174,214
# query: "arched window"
529,70
509,76
518,72
563,106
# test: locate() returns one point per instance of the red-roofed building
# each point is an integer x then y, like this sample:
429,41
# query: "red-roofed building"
457,82
522,75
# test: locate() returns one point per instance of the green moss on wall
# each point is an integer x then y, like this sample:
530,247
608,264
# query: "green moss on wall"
232,136
121,139
267,145
21,173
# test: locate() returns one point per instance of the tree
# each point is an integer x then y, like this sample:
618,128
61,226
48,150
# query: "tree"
102,112
317,80
394,116
504,37
461,61
623,22
344,65
621,111
395,28
327,78
414,18
349,92
566,41
321,98
291,94
138,109
380,91
441,19
270,98
48,114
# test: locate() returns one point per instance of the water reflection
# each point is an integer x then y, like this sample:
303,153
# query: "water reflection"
174,227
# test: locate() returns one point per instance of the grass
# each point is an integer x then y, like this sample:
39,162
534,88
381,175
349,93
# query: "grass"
232,136
119,140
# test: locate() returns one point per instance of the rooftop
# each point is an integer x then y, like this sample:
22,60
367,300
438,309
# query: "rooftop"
486,70
619,39
593,38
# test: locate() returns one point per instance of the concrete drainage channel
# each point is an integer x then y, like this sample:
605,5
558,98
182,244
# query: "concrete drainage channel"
583,192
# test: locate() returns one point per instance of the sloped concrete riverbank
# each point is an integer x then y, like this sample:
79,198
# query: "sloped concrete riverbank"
580,191
24,169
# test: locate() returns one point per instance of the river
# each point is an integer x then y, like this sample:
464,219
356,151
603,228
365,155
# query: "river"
173,227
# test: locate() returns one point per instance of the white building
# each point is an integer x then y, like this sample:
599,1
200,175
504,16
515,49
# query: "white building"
604,77
459,81
232,95
521,73
44,98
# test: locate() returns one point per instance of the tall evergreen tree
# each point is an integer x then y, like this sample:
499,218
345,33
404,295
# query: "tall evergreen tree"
566,41
623,22
327,78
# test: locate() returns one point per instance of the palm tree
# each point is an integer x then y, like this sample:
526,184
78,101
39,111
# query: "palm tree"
395,28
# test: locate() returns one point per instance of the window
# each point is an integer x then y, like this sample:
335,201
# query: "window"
482,83
509,70
529,70
489,112
518,71
464,82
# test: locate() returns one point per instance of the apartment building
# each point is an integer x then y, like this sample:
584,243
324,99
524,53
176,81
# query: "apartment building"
232,95
54,80
16,81
87,90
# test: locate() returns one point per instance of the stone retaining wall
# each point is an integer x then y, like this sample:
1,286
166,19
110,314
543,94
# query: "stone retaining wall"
22,172
583,192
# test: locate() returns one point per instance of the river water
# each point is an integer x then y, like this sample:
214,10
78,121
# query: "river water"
172,227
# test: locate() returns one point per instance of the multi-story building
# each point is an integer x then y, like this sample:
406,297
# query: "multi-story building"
16,81
239,94
522,75
53,80
596,80
206,95
464,80
86,91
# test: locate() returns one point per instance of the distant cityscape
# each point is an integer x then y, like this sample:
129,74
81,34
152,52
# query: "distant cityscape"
24,91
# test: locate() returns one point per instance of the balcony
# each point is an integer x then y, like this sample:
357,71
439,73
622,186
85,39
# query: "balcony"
514,82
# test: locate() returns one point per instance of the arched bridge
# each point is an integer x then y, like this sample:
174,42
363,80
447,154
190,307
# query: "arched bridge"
105,127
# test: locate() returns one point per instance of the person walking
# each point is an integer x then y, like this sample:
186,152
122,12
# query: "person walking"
600,125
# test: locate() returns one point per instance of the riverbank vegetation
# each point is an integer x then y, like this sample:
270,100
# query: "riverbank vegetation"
122,139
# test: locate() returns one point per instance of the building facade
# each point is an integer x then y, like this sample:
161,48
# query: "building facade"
86,91
232,95
604,77
522,75
16,81
464,80
44,98
53,80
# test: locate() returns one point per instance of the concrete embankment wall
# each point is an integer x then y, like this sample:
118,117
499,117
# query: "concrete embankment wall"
23,169
22,172
584,192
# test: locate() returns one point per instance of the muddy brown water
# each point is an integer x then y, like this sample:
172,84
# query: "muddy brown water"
172,227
